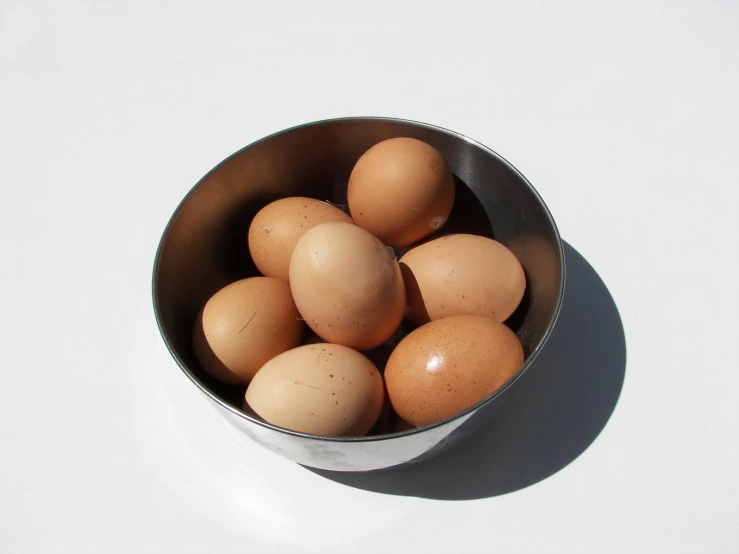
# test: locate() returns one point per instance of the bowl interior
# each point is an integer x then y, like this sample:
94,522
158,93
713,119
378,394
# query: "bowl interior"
204,246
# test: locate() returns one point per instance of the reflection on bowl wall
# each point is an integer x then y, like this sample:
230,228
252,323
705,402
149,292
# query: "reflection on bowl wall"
204,248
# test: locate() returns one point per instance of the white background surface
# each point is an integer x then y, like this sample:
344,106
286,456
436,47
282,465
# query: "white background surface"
624,116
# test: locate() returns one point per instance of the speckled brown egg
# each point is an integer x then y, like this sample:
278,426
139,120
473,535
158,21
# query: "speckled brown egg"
461,274
401,190
276,228
448,365
243,326
347,285
322,389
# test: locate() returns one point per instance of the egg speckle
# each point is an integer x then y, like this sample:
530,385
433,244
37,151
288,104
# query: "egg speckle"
297,390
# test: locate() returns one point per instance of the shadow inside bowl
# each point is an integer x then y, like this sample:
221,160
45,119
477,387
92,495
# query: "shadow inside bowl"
468,213
559,407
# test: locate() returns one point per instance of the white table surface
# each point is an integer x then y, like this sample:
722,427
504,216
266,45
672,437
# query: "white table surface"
625,116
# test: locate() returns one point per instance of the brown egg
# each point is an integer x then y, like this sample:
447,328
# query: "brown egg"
243,326
461,274
401,425
401,190
448,365
276,228
322,389
347,285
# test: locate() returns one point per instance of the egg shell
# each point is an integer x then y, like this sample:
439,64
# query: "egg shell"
243,326
276,228
401,425
401,190
347,285
461,274
449,365
321,389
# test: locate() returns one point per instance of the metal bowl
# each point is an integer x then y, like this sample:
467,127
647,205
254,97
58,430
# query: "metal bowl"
203,248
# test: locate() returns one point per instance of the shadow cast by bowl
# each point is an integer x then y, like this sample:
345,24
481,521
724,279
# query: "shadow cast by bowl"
561,405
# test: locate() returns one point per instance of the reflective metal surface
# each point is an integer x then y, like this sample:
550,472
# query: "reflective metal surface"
204,248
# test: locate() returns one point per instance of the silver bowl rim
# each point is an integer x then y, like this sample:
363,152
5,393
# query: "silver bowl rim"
370,438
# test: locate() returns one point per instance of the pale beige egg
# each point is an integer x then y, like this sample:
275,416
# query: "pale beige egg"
321,389
461,274
347,285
